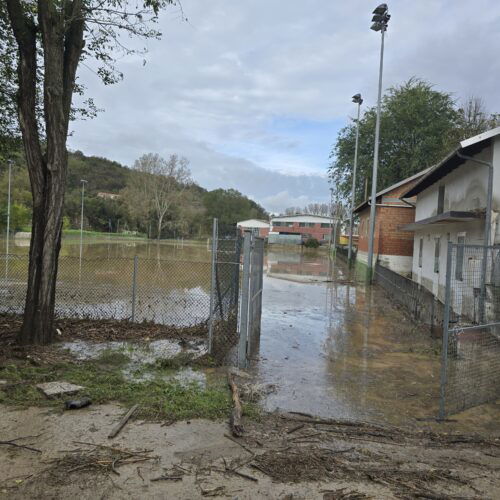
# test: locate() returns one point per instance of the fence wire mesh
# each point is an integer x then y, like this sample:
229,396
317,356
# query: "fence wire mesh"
470,371
167,292
226,255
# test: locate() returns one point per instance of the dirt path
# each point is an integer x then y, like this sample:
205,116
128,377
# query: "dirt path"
280,455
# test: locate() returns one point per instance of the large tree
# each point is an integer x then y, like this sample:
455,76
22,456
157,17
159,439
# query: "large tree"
419,126
161,184
46,40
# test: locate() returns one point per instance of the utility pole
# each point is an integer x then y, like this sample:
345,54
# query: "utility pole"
83,181
380,21
9,162
358,100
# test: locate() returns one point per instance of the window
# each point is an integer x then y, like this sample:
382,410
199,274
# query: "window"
277,223
459,268
289,224
306,224
437,248
420,252
325,224
440,200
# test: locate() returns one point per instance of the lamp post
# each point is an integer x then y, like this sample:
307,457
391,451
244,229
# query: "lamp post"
9,162
358,100
331,220
380,21
83,181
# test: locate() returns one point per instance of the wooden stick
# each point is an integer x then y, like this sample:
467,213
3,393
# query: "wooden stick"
10,443
236,424
122,422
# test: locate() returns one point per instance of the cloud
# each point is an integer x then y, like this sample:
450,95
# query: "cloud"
254,93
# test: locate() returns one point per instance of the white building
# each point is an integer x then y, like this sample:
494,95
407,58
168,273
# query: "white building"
259,227
451,206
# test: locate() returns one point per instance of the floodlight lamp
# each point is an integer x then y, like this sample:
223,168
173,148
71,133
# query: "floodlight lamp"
357,99
381,9
376,26
378,18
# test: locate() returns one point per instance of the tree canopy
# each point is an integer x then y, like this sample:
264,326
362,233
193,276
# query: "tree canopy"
419,126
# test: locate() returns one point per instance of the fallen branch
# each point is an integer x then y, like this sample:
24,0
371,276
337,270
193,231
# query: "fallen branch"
235,421
296,428
122,422
246,448
167,478
11,443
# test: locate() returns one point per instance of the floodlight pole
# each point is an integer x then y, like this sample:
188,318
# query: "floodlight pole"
353,193
373,200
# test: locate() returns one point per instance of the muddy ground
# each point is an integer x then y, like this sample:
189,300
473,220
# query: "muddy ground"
280,456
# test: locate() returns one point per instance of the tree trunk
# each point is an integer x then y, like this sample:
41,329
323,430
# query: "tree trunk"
62,44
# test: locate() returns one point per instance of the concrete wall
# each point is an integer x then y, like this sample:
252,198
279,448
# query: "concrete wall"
465,190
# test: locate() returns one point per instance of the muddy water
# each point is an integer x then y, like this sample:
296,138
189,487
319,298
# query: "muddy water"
172,280
336,348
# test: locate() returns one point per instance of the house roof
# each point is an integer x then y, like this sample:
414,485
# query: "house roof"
471,146
366,203
296,216
253,223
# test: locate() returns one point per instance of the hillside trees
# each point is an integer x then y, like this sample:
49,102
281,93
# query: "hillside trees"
42,44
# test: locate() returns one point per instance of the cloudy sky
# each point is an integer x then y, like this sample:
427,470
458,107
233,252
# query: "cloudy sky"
254,92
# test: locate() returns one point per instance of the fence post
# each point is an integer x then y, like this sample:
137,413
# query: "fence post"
446,325
134,286
215,235
245,301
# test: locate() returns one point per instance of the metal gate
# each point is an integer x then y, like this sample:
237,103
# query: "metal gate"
470,363
251,297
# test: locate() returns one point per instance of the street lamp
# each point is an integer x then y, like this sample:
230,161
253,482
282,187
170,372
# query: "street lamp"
380,21
83,181
9,162
358,100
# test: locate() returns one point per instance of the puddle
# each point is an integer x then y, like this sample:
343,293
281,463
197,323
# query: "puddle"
144,354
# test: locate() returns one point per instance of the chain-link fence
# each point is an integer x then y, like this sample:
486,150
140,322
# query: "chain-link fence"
225,285
470,370
251,298
168,292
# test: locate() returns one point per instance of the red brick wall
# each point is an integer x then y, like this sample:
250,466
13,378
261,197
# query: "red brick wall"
318,232
389,240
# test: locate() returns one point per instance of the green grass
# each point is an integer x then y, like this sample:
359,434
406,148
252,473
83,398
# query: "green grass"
102,234
104,382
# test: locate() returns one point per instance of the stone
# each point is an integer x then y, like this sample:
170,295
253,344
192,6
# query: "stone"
54,389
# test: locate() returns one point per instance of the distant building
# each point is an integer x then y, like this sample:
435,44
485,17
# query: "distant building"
303,225
451,206
108,196
392,247
257,226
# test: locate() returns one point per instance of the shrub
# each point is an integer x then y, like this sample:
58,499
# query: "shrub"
311,243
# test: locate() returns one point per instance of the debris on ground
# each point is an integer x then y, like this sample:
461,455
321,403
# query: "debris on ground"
236,414
76,404
100,459
119,426
59,388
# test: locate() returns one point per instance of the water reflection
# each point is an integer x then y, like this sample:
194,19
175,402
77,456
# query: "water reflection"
169,283
339,349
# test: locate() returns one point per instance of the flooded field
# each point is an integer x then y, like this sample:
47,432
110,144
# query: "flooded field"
330,346
168,283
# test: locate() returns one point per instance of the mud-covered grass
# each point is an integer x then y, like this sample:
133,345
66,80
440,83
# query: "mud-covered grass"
159,397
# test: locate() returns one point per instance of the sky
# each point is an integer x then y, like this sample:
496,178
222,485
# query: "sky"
254,92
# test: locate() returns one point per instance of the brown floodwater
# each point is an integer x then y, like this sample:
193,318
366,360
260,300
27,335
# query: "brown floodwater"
332,346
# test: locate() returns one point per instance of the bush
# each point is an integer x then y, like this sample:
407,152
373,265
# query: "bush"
311,243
